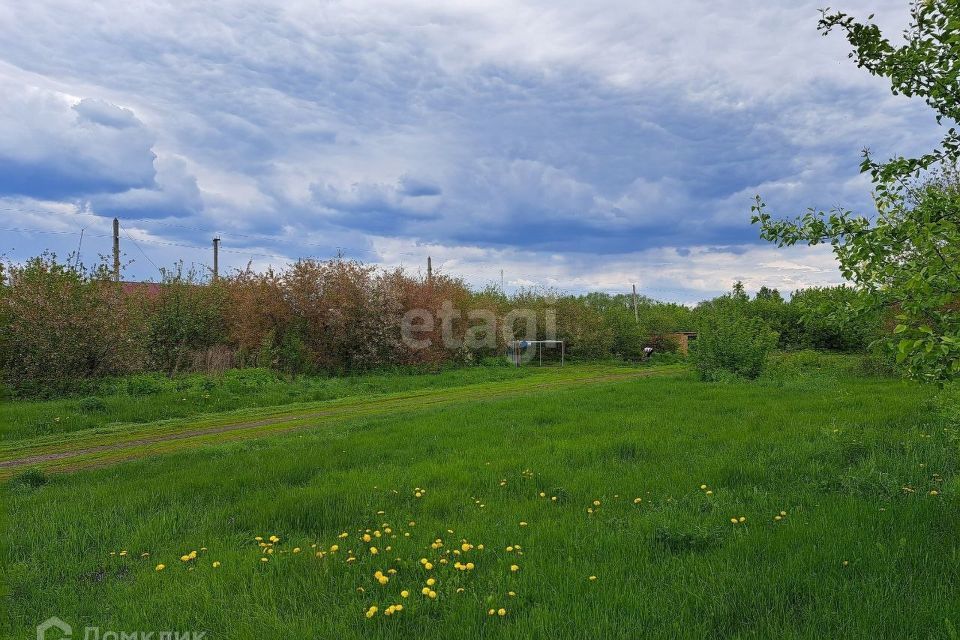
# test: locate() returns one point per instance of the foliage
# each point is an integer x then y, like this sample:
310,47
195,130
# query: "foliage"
29,478
316,317
62,322
906,256
730,340
184,318
826,324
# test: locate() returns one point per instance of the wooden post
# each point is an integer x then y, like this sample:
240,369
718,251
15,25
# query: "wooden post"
216,259
429,270
636,317
116,250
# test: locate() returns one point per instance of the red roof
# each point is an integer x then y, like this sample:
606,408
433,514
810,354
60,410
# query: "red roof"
149,289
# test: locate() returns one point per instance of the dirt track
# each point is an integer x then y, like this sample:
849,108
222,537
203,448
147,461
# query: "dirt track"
127,445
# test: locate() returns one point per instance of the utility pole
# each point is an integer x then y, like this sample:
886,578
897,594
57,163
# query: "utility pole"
116,249
636,316
429,270
216,259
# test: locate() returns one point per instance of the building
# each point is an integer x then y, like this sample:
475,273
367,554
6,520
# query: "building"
684,339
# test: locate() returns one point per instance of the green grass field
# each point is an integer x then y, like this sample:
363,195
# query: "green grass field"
613,499
147,398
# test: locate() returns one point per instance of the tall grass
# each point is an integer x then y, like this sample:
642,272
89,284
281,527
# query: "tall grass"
866,472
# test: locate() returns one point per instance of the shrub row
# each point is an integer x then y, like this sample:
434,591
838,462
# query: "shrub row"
62,324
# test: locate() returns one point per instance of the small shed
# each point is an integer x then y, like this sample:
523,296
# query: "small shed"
683,338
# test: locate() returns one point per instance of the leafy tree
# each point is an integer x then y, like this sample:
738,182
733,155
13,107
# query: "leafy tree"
907,256
766,293
822,327
730,339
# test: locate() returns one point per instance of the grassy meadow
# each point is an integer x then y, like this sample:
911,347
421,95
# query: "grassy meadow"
823,504
150,397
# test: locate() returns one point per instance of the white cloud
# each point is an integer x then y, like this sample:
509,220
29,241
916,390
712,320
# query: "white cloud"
598,139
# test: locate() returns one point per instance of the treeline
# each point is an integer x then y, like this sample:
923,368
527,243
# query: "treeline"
62,323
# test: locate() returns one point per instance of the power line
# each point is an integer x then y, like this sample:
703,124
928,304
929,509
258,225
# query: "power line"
159,270
154,221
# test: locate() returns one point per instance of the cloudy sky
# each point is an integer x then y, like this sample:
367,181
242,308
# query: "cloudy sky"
582,145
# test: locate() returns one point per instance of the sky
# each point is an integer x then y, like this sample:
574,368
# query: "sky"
575,145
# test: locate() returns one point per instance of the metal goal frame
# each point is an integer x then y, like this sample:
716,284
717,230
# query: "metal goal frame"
515,346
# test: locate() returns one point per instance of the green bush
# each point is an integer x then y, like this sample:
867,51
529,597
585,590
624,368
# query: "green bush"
31,478
729,341
147,384
91,404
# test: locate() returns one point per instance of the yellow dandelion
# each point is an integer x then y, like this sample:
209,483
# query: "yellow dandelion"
161,567
216,564
501,612
514,568
372,611
404,594
593,578
296,549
